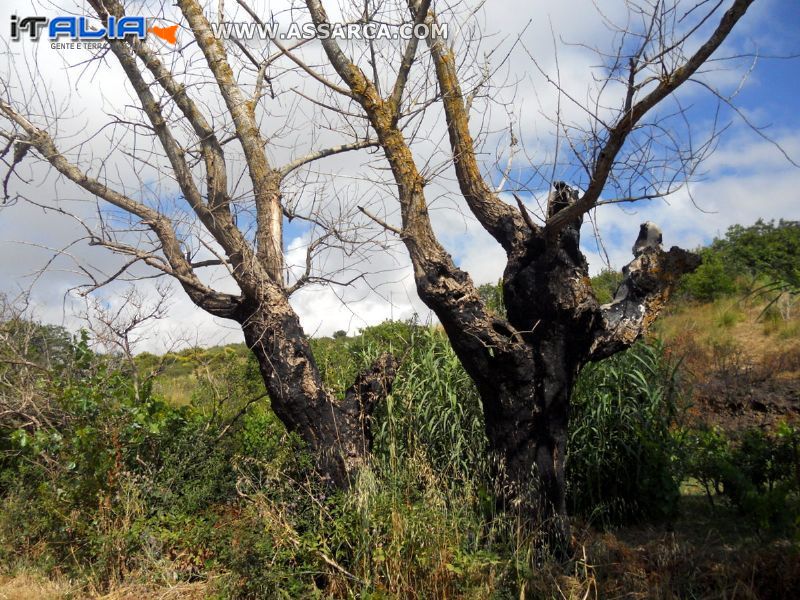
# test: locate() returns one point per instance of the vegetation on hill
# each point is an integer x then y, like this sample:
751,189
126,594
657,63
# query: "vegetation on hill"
764,257
107,487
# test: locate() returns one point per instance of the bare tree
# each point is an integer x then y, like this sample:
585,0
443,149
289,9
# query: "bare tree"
117,330
201,124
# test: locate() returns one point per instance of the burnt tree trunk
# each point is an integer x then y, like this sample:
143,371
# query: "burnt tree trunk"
336,430
554,326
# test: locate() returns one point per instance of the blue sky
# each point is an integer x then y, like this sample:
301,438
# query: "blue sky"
746,179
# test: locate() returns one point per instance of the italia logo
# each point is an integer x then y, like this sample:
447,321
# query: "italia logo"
79,28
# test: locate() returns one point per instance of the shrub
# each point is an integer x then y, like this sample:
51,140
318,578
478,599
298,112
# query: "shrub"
757,472
492,296
123,478
761,257
605,285
713,279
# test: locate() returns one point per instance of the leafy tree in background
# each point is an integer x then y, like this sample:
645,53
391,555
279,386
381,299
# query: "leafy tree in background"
767,250
492,296
713,278
764,256
605,285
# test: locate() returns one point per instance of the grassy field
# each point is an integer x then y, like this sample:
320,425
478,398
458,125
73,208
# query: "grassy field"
683,472
704,553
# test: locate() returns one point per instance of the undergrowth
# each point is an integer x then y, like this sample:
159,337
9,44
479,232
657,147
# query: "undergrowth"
109,486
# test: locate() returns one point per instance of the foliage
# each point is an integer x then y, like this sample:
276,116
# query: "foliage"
114,479
756,472
605,285
766,249
340,359
46,345
434,410
713,278
763,255
621,459
492,296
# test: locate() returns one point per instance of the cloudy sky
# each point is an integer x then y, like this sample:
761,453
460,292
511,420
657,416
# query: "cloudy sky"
524,43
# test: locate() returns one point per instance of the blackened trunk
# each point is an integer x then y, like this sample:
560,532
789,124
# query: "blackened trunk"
550,305
525,390
336,430
527,428
525,366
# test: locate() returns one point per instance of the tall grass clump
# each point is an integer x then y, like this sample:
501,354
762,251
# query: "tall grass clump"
434,410
622,459
417,522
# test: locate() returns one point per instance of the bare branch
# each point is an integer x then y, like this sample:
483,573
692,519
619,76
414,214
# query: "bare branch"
381,222
618,133
497,217
420,13
214,302
303,160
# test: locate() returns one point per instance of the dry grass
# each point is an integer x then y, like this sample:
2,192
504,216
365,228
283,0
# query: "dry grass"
180,591
732,329
701,555
28,586
704,553
176,389
31,586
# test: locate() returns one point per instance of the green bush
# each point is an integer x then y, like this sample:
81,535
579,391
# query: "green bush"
756,472
605,285
713,279
761,257
122,477
340,359
492,296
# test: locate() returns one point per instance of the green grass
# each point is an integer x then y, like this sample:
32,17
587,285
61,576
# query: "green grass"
145,496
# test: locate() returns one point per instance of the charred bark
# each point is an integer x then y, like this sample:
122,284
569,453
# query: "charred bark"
336,430
558,326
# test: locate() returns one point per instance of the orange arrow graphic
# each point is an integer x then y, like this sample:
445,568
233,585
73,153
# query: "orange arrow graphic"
168,34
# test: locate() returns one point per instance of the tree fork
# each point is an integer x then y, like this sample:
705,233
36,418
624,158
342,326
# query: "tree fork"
336,430
551,306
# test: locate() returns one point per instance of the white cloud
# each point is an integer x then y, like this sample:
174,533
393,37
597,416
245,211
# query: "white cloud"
747,178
